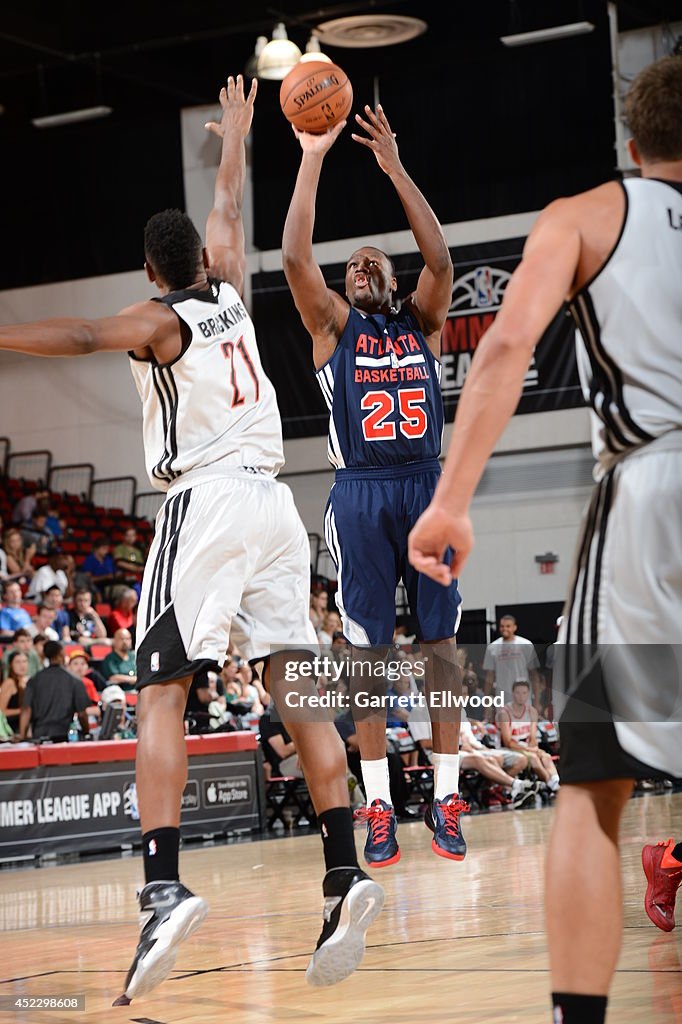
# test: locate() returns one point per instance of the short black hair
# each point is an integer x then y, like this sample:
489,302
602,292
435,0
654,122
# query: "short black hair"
18,633
520,682
172,247
52,649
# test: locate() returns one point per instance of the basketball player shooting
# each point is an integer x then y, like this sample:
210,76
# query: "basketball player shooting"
377,363
228,539
615,254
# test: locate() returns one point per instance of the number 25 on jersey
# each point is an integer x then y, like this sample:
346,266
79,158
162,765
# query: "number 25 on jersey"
376,425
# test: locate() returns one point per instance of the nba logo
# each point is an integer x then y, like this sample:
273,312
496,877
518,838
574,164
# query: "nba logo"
152,847
154,663
484,287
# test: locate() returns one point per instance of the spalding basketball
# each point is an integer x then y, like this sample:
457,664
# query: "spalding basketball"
315,96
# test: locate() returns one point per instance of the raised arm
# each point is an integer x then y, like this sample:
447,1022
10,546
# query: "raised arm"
323,311
433,294
139,326
539,285
225,227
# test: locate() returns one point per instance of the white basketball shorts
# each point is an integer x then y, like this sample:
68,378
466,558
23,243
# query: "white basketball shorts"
230,557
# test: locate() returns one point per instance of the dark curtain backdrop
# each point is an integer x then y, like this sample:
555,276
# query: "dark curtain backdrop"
481,275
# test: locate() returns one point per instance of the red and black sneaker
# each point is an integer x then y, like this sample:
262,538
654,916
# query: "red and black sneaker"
442,817
663,874
381,847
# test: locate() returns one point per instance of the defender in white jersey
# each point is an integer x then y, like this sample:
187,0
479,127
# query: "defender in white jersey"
615,253
230,549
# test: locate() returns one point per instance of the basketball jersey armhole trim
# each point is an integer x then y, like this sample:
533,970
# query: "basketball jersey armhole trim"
319,369
185,336
588,284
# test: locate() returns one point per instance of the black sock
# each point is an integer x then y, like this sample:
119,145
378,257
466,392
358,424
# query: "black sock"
677,852
338,841
161,852
570,1008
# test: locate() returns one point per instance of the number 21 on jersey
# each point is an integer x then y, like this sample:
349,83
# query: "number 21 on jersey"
376,425
237,352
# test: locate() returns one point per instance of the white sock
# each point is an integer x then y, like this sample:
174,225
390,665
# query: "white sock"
377,785
446,771
553,782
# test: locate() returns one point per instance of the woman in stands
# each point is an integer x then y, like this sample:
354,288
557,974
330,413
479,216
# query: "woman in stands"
12,689
18,557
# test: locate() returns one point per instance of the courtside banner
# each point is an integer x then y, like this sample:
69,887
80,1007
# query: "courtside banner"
482,273
78,807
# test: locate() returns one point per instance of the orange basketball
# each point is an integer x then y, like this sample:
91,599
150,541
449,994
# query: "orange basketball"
315,96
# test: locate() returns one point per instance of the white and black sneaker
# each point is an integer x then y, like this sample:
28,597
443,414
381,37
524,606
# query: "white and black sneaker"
169,913
352,901
523,793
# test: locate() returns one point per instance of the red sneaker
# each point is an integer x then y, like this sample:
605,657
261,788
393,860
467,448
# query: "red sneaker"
664,874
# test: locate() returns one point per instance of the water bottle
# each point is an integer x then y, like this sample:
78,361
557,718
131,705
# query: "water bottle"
74,734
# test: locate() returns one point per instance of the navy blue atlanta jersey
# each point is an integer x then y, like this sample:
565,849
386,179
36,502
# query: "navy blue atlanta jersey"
382,387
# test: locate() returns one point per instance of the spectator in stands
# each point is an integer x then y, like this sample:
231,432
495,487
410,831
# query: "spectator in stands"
319,600
51,699
93,681
85,624
249,694
19,558
123,613
54,599
23,642
36,533
26,506
510,658
129,559
278,749
99,569
39,641
206,709
12,615
57,573
119,666
4,575
518,725
331,623
13,687
43,622
55,523
472,688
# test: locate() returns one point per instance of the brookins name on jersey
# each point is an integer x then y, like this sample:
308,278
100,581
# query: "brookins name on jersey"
212,406
382,388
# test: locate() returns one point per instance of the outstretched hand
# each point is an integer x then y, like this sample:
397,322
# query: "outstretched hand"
237,110
319,143
381,139
435,531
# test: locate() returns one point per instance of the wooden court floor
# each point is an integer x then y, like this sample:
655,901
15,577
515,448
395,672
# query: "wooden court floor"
457,942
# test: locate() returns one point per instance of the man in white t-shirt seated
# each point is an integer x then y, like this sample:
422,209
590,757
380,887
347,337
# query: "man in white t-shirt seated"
518,725
510,658
497,765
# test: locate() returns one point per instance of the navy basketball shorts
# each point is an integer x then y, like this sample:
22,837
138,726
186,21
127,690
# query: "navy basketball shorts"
369,515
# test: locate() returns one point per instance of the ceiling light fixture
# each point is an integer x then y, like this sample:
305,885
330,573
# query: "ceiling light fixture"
365,31
71,117
251,66
278,57
313,51
546,35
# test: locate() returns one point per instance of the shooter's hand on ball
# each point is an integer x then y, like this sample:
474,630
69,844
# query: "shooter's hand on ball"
319,144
